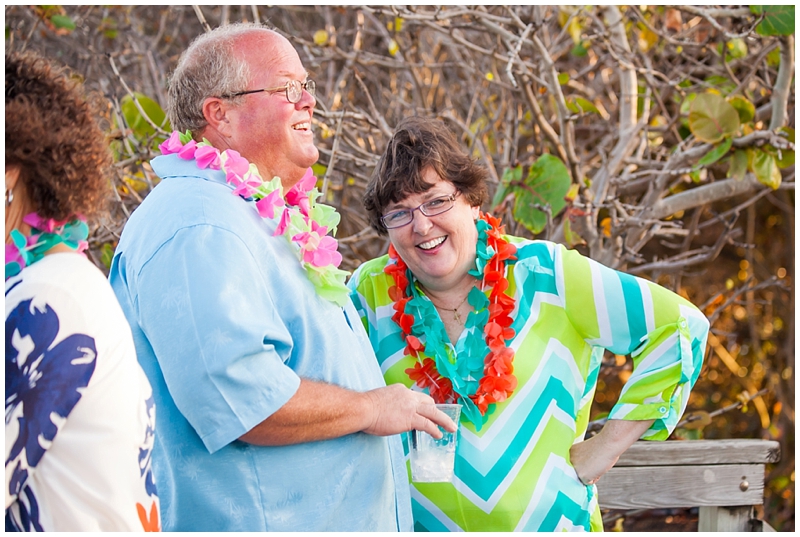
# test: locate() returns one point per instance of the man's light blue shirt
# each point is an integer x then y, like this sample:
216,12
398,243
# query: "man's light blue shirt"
226,323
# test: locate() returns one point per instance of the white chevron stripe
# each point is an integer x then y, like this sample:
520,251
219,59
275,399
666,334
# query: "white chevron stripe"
553,462
437,513
553,412
601,308
647,304
392,359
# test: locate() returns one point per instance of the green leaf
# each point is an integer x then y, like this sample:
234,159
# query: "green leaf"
106,254
745,109
737,48
778,20
563,78
510,175
137,123
715,154
63,21
570,237
548,182
766,169
785,157
579,105
319,170
720,83
738,166
581,49
774,57
712,118
687,102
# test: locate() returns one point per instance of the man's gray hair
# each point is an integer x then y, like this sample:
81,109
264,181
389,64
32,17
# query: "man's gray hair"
208,68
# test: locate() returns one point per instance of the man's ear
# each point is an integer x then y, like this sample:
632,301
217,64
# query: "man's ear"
215,110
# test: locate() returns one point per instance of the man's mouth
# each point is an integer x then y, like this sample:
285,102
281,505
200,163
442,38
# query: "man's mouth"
304,126
431,244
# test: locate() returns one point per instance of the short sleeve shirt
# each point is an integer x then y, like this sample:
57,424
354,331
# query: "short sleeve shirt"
226,323
80,413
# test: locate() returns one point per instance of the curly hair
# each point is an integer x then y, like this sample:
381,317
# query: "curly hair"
417,144
53,136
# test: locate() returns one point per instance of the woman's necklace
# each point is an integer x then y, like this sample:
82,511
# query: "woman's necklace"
45,234
303,222
456,315
481,373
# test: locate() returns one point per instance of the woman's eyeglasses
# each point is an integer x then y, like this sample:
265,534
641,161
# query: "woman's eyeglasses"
293,88
432,207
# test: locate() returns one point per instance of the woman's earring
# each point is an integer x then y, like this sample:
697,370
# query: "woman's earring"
9,197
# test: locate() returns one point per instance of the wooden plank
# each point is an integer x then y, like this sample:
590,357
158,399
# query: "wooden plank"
672,452
725,518
682,486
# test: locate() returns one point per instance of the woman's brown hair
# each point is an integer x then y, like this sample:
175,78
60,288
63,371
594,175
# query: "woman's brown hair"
53,136
419,143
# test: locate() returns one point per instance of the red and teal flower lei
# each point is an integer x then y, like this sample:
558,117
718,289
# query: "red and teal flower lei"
45,234
305,223
481,373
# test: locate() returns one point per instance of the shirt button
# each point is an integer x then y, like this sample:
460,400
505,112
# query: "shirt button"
663,410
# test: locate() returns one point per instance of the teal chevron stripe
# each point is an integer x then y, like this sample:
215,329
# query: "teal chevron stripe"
484,486
520,424
424,520
635,309
616,307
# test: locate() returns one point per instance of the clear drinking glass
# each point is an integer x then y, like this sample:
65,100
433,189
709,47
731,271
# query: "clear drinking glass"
432,460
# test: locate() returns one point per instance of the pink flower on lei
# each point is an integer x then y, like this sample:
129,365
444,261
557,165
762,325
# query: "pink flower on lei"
172,144
267,205
187,151
246,187
298,194
207,157
235,164
286,217
318,249
13,254
236,174
48,225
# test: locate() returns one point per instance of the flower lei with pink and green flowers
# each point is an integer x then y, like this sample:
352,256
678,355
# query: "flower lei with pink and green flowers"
305,223
45,234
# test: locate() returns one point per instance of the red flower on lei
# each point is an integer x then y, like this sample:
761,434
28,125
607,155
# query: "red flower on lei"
498,382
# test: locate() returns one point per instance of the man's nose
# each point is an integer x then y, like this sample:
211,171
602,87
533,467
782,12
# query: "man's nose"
306,100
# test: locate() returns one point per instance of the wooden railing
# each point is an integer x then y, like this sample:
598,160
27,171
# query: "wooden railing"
724,478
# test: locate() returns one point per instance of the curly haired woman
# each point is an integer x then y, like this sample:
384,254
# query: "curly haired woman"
79,409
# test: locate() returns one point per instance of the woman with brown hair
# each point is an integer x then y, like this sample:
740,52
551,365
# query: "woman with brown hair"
79,410
514,331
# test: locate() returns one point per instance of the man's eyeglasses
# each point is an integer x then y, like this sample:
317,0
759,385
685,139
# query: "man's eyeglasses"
293,88
432,207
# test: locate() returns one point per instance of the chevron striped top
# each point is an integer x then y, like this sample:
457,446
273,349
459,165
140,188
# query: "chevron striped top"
515,473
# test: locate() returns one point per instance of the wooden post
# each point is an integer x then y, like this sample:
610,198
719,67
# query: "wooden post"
725,518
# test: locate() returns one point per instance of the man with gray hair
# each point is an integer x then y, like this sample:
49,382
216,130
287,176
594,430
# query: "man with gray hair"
272,411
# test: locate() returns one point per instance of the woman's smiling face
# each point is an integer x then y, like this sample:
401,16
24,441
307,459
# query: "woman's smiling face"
439,250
